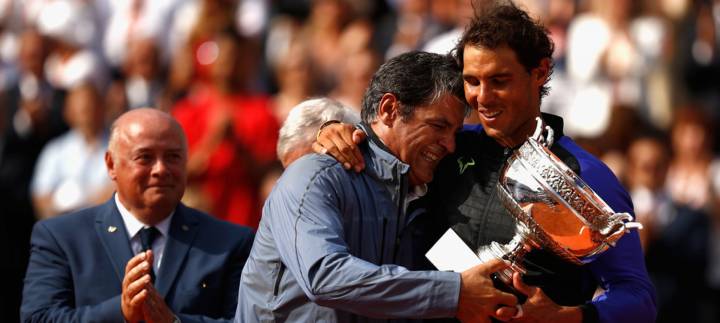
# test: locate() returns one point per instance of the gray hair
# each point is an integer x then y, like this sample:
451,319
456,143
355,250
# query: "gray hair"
302,123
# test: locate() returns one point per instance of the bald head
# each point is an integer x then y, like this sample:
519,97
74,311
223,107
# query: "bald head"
138,120
146,159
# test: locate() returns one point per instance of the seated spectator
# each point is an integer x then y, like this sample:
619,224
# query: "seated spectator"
70,172
143,255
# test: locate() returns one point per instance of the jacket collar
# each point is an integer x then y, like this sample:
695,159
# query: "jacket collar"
110,228
555,122
183,230
113,236
380,160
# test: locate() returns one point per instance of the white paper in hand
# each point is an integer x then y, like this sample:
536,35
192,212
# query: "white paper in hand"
450,253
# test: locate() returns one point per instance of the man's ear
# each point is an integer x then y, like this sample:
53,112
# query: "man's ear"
388,109
110,165
542,72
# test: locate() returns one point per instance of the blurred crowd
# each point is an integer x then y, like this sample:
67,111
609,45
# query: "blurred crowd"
637,82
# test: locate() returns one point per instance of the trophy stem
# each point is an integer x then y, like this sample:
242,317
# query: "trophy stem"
513,252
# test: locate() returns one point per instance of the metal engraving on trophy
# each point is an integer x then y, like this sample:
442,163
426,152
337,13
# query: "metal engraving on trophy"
554,209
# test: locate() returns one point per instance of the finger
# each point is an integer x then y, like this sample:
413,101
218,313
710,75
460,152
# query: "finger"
506,299
135,275
141,269
521,286
134,261
351,149
137,286
358,137
149,258
505,313
342,152
139,298
318,148
337,139
327,145
494,265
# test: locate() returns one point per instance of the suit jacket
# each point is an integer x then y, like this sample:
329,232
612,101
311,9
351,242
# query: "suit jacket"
77,264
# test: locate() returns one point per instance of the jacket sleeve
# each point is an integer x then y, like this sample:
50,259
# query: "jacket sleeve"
308,230
48,291
629,295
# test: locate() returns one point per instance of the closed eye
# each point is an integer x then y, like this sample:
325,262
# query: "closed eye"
471,80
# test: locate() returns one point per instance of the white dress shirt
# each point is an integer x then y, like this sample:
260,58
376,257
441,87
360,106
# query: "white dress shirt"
133,227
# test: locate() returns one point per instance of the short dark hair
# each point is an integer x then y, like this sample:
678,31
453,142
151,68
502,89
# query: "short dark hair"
503,23
416,79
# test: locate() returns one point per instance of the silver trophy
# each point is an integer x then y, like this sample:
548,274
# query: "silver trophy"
554,209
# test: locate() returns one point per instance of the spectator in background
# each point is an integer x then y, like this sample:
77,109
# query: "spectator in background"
30,116
463,11
713,257
356,69
672,234
414,26
322,33
693,164
140,83
357,64
611,51
292,73
70,170
143,255
698,54
646,170
71,29
131,19
231,134
297,133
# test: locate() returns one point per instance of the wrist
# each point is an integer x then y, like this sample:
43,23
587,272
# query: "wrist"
322,126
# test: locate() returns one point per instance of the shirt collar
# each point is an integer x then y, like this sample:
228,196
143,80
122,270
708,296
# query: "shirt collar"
133,225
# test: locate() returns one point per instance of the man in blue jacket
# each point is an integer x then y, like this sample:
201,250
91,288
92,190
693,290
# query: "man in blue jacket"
328,243
506,61
143,255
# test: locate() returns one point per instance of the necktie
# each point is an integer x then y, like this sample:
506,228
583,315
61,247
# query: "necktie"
147,236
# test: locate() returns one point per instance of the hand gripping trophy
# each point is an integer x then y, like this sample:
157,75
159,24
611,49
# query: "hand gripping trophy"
553,208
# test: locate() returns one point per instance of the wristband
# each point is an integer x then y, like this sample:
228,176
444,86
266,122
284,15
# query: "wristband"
322,126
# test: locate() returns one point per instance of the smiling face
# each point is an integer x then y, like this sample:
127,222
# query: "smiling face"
427,135
146,160
505,94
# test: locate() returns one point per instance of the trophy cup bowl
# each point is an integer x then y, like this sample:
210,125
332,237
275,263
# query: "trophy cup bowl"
554,209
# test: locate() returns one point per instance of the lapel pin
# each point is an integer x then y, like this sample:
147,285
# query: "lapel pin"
112,228
185,227
204,285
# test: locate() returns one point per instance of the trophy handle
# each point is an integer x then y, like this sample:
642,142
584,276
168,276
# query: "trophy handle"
543,134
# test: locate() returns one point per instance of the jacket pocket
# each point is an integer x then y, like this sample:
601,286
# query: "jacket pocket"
278,279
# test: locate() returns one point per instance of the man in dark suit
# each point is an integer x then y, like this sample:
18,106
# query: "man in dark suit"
143,255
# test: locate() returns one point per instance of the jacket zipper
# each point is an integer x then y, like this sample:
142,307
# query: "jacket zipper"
399,219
